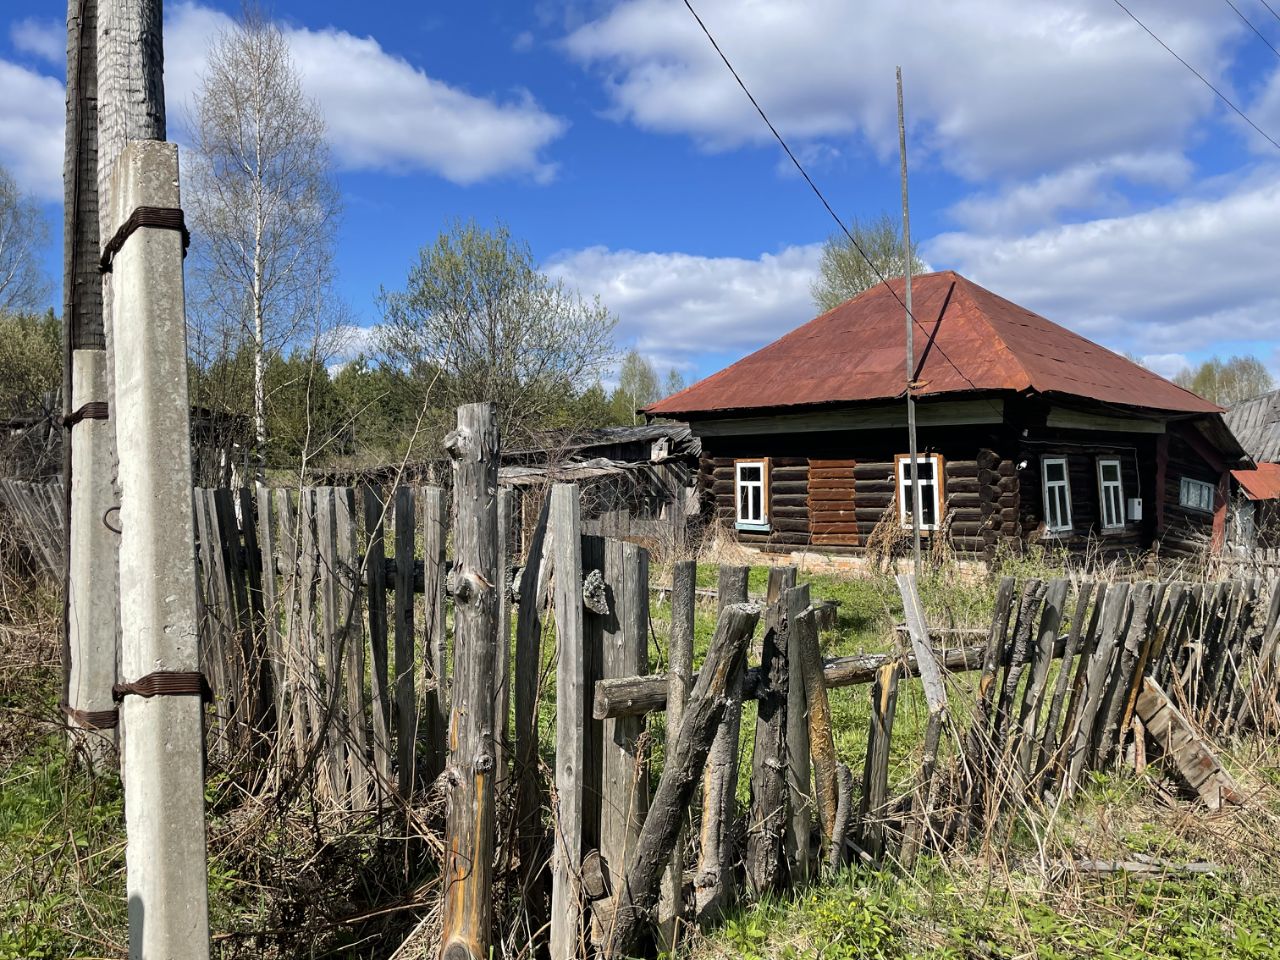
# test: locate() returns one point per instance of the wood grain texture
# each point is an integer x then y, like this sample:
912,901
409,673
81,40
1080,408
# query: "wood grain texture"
375,574
469,812
435,653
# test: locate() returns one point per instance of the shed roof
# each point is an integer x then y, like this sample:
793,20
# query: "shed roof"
1261,483
967,339
1256,424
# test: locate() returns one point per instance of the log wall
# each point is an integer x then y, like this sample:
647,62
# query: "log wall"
1186,533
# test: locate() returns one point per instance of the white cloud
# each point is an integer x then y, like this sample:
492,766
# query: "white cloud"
998,87
1087,187
1165,364
31,129
1194,274
46,39
677,306
382,112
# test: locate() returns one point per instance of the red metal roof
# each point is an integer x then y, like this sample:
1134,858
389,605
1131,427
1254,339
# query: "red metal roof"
1260,484
967,339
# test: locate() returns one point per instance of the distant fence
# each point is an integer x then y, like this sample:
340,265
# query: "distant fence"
38,509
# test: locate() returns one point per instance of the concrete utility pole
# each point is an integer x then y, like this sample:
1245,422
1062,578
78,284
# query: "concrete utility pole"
92,610
161,715
911,344
161,712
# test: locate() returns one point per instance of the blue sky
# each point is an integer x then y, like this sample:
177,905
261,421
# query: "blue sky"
1059,156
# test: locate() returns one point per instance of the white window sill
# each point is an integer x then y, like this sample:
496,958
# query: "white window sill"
753,527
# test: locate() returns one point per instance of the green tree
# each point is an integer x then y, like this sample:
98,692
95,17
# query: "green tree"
637,387
23,230
675,382
844,273
30,388
1227,382
478,321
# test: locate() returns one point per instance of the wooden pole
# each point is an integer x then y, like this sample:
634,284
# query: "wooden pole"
800,790
571,722
766,865
935,693
684,581
714,883
911,345
469,816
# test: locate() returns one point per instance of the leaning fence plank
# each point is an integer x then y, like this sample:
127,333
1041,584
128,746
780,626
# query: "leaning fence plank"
1096,669
822,747
725,658
571,720
352,645
528,675
1019,657
714,883
435,531
799,774
1051,738
375,578
1175,735
935,693
469,813
875,775
684,581
766,865
1055,598
406,715
1112,734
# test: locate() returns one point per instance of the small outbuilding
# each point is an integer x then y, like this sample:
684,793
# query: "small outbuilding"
1256,424
1027,432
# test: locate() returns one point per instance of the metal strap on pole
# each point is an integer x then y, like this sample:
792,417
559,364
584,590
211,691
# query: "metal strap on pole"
158,218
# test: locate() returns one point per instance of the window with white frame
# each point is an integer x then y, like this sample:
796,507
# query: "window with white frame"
1110,494
928,473
1196,495
1056,486
750,485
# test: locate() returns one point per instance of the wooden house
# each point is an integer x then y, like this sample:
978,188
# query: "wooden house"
1027,432
1256,424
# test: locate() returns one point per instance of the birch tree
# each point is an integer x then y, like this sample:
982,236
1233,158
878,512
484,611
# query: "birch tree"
22,231
844,273
263,201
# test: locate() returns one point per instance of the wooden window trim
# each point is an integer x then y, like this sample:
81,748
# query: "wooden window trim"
765,469
1213,495
1102,495
940,490
1069,529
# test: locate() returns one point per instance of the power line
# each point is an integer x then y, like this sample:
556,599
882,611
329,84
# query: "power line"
1270,8
1221,96
818,193
1249,23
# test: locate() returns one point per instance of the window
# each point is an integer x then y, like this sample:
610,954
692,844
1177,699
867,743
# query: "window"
1057,494
750,492
1111,494
1197,495
928,472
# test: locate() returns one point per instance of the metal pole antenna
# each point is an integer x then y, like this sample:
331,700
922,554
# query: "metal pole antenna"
911,347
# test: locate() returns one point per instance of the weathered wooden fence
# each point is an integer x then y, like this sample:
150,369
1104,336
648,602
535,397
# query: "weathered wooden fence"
38,510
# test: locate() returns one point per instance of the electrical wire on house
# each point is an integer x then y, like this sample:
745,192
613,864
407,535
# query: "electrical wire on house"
932,343
1249,23
1201,77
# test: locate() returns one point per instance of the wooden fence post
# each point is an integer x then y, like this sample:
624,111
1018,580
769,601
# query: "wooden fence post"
822,748
624,787
435,652
714,883
684,582
469,817
875,775
502,683
765,861
352,643
799,775
406,705
571,723
375,578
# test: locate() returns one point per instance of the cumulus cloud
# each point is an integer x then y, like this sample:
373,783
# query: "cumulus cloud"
1194,273
997,87
46,39
678,307
31,129
382,112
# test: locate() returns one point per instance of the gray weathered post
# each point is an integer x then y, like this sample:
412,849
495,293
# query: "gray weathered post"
164,761
469,819
502,699
624,775
406,713
798,768
684,583
571,722
435,531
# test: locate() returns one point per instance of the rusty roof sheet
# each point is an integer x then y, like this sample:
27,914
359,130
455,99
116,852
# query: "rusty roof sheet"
1260,484
967,339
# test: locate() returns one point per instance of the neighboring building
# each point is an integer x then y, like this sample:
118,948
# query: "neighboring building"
1256,424
1027,432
